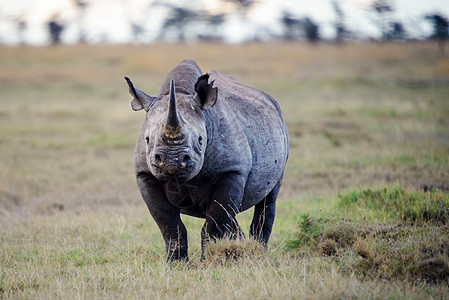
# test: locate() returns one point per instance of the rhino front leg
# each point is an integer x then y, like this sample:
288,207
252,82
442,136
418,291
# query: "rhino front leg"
224,206
175,238
167,217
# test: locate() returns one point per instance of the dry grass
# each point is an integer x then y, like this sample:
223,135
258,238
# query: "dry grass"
360,116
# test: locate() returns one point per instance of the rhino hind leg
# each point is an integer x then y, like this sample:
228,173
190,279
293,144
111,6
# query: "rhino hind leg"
264,213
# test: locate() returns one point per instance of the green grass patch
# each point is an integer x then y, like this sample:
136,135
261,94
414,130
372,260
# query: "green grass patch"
394,203
406,237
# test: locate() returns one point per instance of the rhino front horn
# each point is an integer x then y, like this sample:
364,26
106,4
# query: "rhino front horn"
173,128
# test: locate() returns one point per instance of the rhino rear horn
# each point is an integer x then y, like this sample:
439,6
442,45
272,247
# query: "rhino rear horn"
141,100
206,94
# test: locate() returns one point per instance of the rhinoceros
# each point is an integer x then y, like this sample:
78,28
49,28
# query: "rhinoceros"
210,147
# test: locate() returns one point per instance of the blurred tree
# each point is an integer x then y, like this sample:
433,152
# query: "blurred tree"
55,30
21,28
179,18
311,30
215,21
292,26
340,28
82,8
243,3
382,8
440,30
242,6
295,28
137,31
396,31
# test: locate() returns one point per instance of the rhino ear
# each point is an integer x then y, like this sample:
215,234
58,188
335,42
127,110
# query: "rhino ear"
141,100
206,94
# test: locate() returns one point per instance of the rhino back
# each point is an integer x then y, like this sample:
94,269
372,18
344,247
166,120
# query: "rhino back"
185,74
254,133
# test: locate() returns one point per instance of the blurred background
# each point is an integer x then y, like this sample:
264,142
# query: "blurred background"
235,21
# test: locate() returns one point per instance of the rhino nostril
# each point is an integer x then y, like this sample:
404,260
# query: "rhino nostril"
185,159
158,159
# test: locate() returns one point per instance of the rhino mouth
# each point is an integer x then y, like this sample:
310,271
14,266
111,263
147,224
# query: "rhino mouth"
177,177
168,172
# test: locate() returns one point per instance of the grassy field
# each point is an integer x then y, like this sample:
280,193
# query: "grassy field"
363,212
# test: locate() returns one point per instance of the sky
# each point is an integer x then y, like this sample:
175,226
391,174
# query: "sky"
109,20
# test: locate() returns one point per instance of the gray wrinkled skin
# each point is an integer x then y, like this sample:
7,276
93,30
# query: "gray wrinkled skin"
211,157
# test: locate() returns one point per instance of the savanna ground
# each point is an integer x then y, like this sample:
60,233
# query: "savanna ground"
363,212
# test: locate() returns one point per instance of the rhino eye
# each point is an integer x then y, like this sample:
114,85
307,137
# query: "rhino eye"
200,140
147,139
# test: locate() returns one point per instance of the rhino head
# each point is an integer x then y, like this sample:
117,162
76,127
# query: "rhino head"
175,129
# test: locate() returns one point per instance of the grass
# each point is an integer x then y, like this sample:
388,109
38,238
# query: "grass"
431,206
362,213
407,238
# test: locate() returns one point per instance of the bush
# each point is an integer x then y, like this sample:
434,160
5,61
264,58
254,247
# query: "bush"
413,245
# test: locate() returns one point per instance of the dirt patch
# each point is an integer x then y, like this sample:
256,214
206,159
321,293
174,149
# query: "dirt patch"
9,200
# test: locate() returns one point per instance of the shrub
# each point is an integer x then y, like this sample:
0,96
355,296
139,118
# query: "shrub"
413,245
